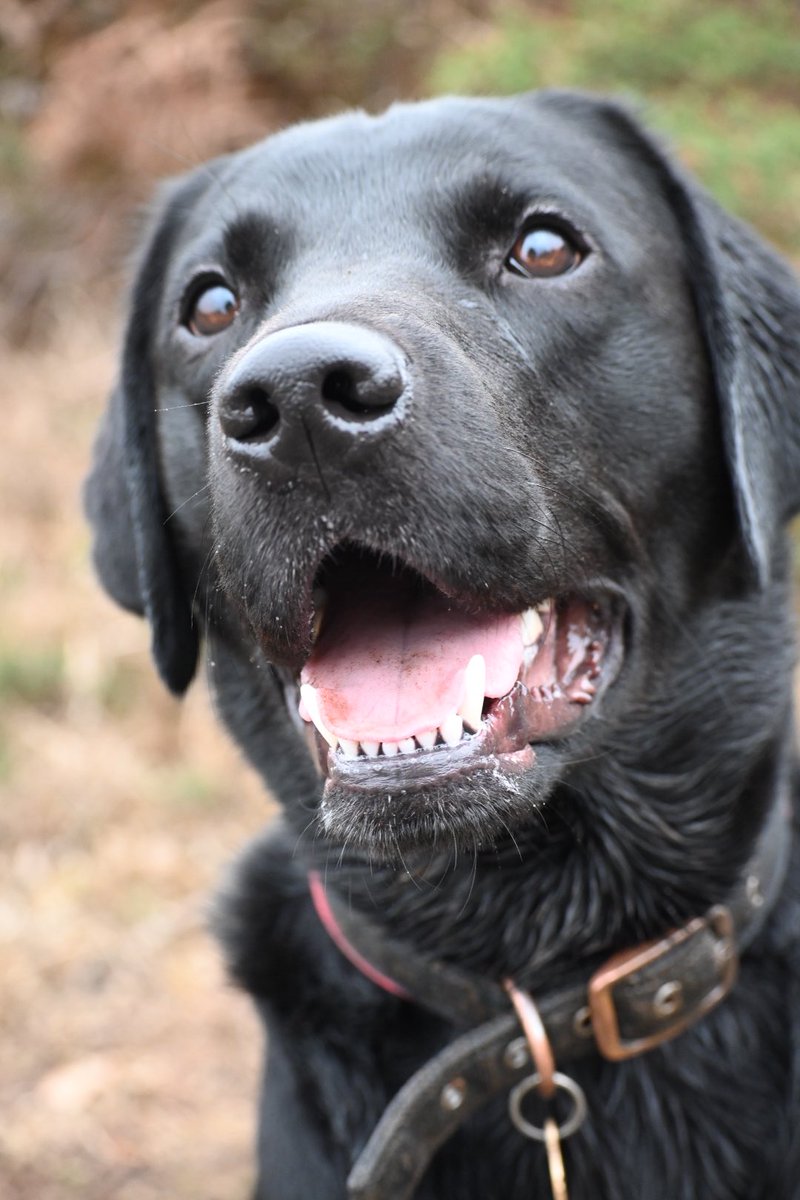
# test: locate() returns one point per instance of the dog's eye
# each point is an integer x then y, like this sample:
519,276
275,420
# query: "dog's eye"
541,251
211,310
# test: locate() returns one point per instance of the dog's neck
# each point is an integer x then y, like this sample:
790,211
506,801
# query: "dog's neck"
552,904
697,963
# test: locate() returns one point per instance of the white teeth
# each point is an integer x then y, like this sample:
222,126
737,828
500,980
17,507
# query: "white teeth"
471,708
451,729
311,702
531,626
319,598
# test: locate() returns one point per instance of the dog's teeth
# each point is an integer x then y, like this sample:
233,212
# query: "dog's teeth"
531,626
471,708
310,699
319,598
389,749
348,749
371,748
407,745
451,730
427,740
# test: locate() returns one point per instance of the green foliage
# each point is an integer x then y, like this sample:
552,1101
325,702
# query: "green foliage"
13,156
31,675
710,45
320,55
721,78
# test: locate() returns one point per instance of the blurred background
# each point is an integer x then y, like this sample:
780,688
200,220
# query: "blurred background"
128,1067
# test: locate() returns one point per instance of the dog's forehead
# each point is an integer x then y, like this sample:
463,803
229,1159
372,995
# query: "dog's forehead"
413,159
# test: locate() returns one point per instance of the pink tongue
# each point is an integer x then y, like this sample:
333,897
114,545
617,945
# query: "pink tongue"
390,662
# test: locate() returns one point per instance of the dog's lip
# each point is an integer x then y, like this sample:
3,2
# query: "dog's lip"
512,725
423,769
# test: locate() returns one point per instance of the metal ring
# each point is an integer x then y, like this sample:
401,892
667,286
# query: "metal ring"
573,1089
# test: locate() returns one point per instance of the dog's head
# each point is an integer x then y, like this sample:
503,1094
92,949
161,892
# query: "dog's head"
456,430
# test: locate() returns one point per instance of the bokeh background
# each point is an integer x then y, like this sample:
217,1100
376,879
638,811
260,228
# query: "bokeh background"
128,1067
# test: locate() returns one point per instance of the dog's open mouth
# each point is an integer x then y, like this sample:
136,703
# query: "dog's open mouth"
404,684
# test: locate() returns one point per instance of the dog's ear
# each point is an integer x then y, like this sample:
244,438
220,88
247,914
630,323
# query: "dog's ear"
748,307
749,310
133,550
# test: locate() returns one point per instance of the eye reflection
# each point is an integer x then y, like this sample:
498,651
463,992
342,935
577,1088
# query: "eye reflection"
214,309
541,252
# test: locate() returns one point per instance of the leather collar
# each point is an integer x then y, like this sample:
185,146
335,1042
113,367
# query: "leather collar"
636,1000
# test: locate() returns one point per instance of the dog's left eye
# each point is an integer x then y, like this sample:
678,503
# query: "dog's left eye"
542,251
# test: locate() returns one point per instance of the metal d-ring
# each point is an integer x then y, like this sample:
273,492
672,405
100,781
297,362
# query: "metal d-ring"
537,1132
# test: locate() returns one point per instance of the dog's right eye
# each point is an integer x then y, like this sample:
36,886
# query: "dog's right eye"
543,250
210,308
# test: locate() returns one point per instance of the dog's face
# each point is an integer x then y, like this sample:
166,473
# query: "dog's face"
463,413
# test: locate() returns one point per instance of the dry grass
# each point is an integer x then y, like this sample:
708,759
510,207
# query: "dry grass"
127,1065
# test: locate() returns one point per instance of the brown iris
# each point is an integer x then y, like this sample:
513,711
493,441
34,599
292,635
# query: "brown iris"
542,252
214,309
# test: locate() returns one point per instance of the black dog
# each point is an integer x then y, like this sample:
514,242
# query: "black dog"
471,430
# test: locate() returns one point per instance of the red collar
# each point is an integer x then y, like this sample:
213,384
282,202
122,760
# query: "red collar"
337,935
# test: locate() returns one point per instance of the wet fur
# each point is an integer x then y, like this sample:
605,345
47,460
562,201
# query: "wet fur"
650,437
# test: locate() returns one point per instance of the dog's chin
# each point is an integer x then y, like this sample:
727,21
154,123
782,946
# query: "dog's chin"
481,809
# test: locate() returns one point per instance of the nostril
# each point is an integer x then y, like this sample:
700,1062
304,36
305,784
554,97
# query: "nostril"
248,414
339,387
370,395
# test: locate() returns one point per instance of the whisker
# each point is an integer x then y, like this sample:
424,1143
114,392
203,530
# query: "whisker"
188,501
175,407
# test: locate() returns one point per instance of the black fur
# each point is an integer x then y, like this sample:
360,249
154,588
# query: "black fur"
633,427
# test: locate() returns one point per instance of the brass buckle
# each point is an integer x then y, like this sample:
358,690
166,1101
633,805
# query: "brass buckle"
620,967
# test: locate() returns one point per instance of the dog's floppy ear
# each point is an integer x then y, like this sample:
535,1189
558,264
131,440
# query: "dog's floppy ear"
748,306
133,550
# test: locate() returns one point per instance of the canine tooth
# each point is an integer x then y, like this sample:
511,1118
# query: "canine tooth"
427,740
310,699
451,729
371,748
406,745
531,626
472,700
348,749
319,599
389,748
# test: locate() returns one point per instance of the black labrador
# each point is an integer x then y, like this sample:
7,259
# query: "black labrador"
465,437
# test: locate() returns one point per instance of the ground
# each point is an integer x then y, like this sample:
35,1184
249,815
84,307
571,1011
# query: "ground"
127,1064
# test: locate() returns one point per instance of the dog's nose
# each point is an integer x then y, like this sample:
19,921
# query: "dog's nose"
326,387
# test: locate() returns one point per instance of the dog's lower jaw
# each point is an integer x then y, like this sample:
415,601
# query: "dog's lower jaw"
462,814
